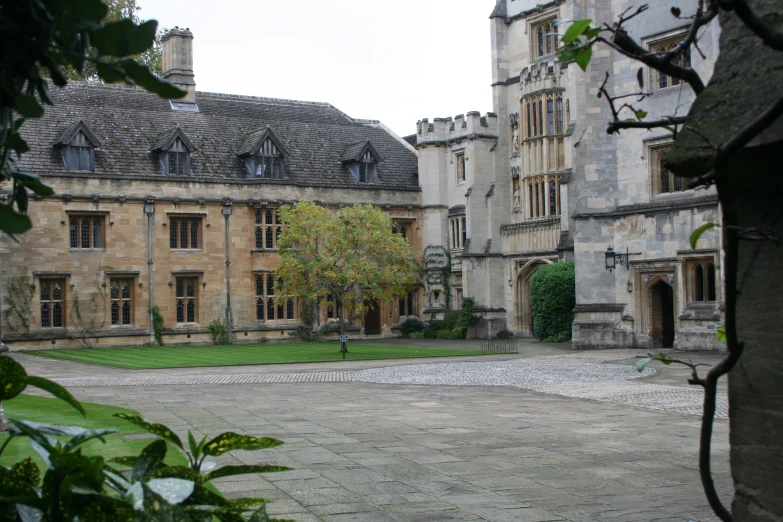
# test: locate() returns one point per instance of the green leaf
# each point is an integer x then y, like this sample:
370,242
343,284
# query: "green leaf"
141,75
56,390
173,490
720,333
158,429
248,502
13,378
29,513
27,106
11,222
20,196
180,472
16,142
583,56
150,460
110,73
699,231
640,77
227,471
87,436
640,114
260,515
230,441
33,182
125,461
194,449
27,472
592,33
576,29
78,471
641,363
124,38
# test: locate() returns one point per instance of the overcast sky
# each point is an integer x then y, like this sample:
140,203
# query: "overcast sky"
397,62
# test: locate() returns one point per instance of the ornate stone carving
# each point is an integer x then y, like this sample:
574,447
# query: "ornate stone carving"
227,202
95,199
175,202
201,202
67,198
121,200
150,200
513,120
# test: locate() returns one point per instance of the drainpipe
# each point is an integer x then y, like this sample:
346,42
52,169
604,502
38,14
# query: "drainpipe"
227,214
149,209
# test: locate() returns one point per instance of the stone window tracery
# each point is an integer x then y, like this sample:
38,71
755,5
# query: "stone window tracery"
268,307
79,154
542,196
659,80
121,297
663,180
178,159
184,233
545,38
52,295
187,299
701,276
268,227
406,305
457,232
86,232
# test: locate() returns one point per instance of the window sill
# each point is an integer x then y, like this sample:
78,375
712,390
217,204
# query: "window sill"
262,250
187,325
186,250
122,327
87,250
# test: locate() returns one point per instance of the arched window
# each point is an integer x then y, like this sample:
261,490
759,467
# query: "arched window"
660,80
702,286
540,38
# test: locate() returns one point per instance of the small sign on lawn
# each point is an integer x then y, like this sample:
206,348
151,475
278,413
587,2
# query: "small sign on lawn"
343,338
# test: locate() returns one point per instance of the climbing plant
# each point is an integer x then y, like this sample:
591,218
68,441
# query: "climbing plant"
437,271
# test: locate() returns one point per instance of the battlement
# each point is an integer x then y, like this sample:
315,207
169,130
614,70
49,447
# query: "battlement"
541,75
461,127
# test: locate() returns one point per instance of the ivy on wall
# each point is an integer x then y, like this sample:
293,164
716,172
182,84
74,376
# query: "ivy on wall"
437,267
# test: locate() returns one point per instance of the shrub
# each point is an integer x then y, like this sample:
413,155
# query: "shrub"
432,327
451,319
449,334
504,334
552,299
416,335
465,317
307,331
411,325
218,332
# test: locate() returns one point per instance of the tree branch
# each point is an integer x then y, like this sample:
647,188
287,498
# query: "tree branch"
768,34
753,129
653,124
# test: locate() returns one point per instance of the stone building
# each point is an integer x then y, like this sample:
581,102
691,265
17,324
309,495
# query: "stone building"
174,204
539,180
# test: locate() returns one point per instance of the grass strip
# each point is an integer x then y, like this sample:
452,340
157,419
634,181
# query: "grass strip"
240,354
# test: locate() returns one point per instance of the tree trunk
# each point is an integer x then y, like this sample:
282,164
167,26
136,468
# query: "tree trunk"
756,382
341,307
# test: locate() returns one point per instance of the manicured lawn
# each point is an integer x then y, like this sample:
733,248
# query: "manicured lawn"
54,411
238,354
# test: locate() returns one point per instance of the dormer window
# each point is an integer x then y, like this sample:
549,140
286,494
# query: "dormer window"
77,146
362,159
178,159
263,154
174,149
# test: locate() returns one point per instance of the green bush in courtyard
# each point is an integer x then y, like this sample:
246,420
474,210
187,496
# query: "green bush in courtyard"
449,334
552,300
416,335
411,325
432,327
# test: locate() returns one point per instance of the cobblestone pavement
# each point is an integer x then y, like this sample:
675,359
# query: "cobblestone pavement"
575,375
496,439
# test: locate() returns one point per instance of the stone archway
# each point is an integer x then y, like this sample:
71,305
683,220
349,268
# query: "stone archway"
523,316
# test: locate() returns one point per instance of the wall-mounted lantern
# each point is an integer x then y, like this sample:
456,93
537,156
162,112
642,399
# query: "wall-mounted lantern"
612,258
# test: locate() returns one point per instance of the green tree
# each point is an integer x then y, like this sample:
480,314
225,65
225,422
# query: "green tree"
40,41
351,254
731,138
152,57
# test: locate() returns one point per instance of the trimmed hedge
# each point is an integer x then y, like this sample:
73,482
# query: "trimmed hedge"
552,300
411,325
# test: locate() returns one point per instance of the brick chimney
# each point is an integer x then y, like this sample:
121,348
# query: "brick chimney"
178,61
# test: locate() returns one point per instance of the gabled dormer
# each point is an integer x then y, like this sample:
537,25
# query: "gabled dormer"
263,154
77,146
174,149
361,159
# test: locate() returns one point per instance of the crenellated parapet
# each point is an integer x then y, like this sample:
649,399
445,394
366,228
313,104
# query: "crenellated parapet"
541,76
443,131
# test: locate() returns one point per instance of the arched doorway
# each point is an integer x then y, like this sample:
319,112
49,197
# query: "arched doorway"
662,315
372,319
523,312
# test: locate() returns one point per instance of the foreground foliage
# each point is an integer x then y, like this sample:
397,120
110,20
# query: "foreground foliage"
552,300
43,42
75,486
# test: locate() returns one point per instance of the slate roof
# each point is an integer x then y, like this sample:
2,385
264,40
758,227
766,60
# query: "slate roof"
355,151
130,122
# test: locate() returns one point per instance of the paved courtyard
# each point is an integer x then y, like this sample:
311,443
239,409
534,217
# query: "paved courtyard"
545,435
